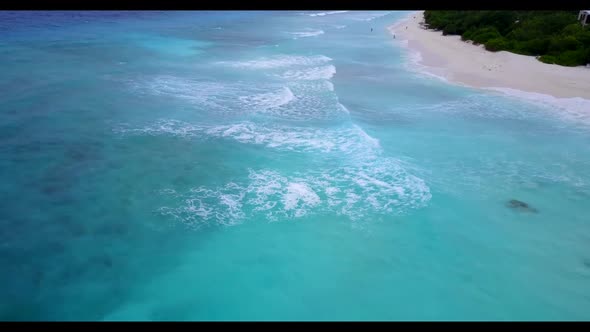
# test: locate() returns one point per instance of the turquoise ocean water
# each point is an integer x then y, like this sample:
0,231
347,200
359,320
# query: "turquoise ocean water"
276,166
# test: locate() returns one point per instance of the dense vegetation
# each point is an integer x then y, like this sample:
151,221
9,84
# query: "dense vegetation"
555,36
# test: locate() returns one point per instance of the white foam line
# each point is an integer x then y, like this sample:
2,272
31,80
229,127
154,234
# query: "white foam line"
278,61
269,100
382,186
368,19
303,34
574,108
328,13
311,74
414,64
351,141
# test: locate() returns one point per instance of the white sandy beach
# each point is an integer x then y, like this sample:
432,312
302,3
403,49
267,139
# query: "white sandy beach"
472,65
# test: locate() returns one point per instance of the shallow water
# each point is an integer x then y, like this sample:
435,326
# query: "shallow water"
271,166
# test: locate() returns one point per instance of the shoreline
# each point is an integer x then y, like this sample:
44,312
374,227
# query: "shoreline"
464,63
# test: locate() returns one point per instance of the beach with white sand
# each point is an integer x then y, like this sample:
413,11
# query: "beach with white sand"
472,65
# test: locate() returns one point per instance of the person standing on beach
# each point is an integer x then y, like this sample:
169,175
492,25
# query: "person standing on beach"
371,29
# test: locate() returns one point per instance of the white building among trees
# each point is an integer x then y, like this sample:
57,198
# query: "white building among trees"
584,17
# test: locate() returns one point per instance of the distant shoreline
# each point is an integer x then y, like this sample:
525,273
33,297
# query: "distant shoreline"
472,65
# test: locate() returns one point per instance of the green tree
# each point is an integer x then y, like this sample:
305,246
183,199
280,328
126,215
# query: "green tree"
556,36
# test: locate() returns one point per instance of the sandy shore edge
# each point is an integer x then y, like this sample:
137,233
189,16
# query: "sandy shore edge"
464,63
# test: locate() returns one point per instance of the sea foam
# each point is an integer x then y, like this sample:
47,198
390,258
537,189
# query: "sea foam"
328,13
354,191
278,61
314,73
352,140
308,33
574,109
269,100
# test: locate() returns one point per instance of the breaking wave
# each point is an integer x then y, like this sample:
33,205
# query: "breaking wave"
348,140
363,182
573,109
279,61
314,73
302,99
370,17
377,187
305,92
269,99
328,13
309,33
